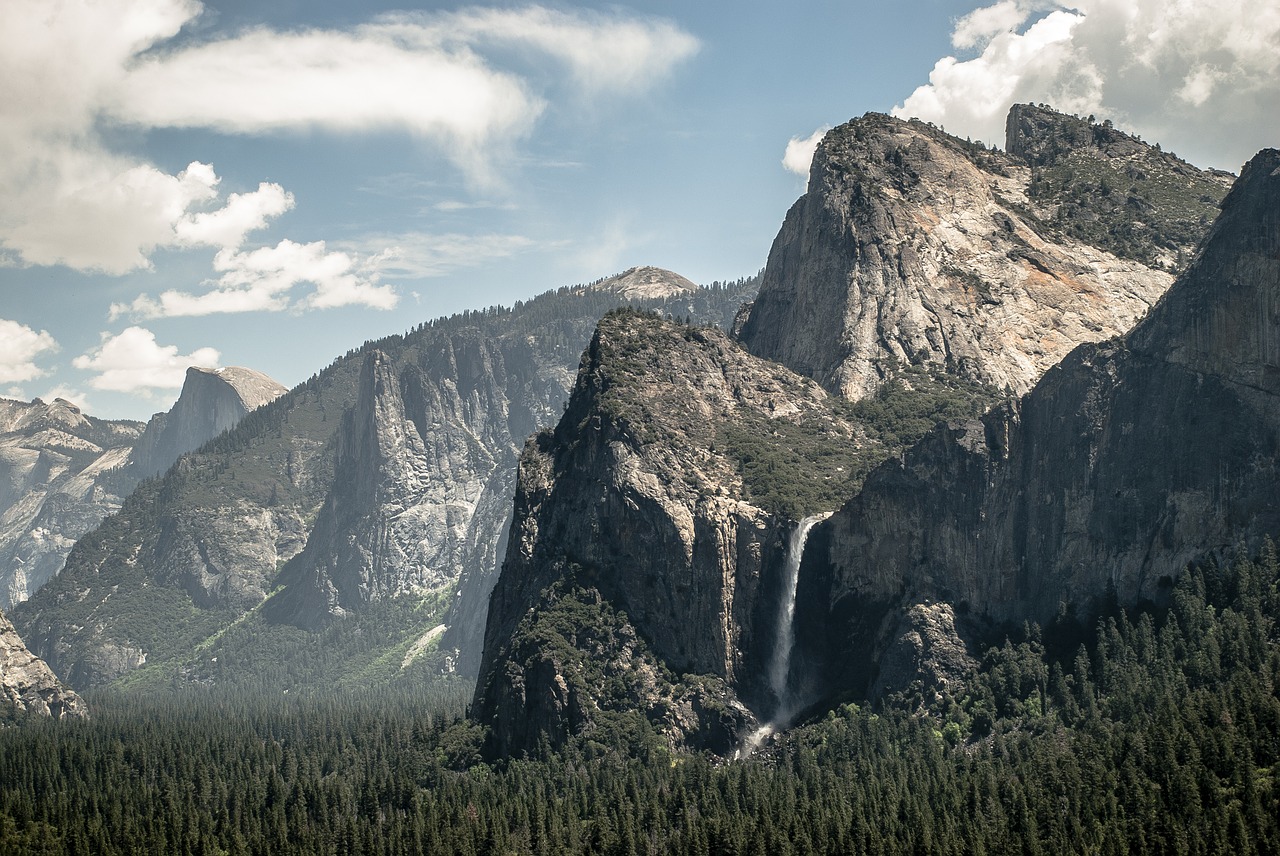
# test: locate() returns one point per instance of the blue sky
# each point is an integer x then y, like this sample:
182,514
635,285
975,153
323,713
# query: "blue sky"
269,184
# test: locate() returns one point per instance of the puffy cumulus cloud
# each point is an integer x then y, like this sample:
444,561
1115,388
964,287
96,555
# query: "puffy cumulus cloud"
1200,76
66,197
132,361
19,348
982,25
799,153
265,279
228,226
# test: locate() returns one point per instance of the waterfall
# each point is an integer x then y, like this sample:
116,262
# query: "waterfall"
780,661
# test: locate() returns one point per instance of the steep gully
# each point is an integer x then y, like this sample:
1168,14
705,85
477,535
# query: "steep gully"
787,703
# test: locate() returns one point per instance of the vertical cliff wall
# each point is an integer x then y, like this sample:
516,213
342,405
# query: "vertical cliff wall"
1130,459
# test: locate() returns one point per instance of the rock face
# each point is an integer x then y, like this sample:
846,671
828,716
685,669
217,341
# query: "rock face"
62,472
1129,460
58,480
914,247
630,502
28,685
385,478
212,401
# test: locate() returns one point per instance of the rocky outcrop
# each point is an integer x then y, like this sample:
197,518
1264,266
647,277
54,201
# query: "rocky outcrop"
28,685
1129,460
211,401
58,479
914,247
646,283
633,498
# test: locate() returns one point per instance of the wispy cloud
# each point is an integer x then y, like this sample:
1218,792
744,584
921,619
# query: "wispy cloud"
1202,76
422,255
265,279
460,81
132,361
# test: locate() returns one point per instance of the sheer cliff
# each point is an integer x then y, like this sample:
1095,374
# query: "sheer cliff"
629,507
352,517
211,401
1129,460
912,247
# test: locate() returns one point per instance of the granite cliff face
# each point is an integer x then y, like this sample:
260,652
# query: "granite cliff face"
211,401
630,502
380,487
58,480
28,685
912,247
1129,460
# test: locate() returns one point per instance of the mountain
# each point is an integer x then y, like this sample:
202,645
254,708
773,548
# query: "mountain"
211,401
62,472
349,528
646,560
1131,459
646,579
28,685
912,247
57,481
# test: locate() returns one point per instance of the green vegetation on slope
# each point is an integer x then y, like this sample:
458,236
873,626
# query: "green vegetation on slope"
1109,189
793,469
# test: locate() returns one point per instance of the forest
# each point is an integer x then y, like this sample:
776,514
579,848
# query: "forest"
1146,730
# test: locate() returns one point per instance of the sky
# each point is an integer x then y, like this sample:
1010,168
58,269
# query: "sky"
271,183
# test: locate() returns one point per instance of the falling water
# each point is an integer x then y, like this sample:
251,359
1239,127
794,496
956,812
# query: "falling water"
780,662
780,665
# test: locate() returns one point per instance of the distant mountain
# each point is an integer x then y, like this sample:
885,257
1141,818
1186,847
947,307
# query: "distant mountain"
350,529
62,472
212,401
57,481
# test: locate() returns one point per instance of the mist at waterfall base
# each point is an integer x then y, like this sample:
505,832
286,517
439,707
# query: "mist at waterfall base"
780,661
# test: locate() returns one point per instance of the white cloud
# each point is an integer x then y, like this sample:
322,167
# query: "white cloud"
264,280
602,52
799,153
420,255
132,361
78,66
1200,76
243,213
19,348
982,25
